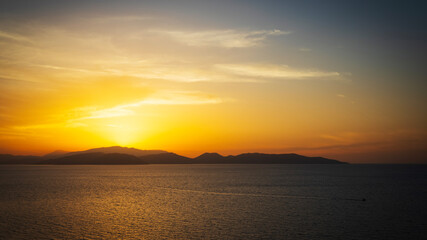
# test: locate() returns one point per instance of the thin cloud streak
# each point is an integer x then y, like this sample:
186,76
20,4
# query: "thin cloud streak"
130,18
160,98
14,37
273,71
83,114
67,66
221,38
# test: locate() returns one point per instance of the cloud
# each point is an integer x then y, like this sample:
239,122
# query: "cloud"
221,38
171,73
14,133
53,67
159,98
273,71
63,56
118,111
179,98
305,50
129,18
14,37
80,117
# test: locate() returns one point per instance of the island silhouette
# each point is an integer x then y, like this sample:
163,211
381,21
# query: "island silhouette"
117,155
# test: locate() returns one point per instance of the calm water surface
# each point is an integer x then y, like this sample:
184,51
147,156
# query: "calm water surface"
213,202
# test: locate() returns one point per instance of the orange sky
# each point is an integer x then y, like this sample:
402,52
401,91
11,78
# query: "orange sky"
156,81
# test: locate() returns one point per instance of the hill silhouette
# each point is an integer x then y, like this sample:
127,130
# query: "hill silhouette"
167,158
96,158
291,158
210,157
246,158
262,158
114,149
13,159
123,155
55,154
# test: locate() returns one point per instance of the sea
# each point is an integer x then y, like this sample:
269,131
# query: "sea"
343,201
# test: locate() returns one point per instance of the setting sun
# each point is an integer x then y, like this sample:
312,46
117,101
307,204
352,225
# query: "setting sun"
123,132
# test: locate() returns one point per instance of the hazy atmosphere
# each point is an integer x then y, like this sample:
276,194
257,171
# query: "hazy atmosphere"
253,119
321,78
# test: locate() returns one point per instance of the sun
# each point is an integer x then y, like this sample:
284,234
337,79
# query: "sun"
121,131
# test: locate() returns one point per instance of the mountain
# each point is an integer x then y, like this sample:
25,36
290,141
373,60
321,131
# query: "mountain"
262,158
292,158
12,159
166,158
124,155
115,149
246,158
96,158
55,154
210,157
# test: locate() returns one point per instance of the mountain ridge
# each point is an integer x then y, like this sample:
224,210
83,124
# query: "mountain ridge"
123,155
113,149
96,158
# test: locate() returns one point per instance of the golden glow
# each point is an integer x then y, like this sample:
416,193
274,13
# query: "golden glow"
119,80
123,132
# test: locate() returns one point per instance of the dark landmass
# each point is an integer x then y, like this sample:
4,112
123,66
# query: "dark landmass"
122,156
292,158
12,159
167,158
114,149
55,154
261,158
95,159
210,157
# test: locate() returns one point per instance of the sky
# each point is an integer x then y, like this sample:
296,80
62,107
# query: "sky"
338,79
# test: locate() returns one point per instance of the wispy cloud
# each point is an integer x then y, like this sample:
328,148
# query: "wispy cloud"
221,38
53,67
159,98
53,57
273,71
15,133
82,117
14,37
179,98
171,73
128,18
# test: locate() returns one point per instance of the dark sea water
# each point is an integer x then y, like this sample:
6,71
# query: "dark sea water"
213,202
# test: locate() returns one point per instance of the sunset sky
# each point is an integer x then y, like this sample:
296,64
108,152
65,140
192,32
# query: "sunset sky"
339,79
